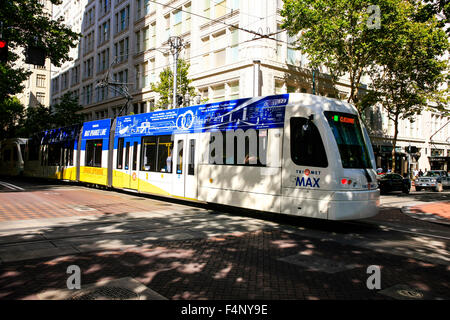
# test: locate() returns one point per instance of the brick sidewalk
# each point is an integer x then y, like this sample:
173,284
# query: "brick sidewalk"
441,209
240,266
435,212
66,203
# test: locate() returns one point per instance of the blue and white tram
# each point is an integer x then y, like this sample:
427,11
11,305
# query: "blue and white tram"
296,154
311,156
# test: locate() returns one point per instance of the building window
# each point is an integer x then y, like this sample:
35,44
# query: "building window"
40,97
146,39
220,8
279,87
103,32
121,50
89,17
234,90
148,6
105,5
206,50
234,50
102,93
138,41
219,93
87,94
75,73
88,68
55,84
219,47
103,60
40,80
207,8
291,52
187,18
65,80
122,19
167,23
89,42
177,19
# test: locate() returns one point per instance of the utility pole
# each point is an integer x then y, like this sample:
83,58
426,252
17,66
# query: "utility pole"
176,44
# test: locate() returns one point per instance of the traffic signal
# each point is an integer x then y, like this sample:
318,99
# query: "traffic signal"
35,55
179,100
3,51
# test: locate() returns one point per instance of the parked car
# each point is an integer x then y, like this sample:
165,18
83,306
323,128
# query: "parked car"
394,182
433,179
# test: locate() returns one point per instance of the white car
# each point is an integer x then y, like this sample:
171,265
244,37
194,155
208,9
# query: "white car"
434,179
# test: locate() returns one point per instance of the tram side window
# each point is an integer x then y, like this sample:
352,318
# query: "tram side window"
54,155
247,148
156,154
94,153
135,147
127,156
148,153
306,144
191,164
68,154
180,157
33,150
120,153
165,146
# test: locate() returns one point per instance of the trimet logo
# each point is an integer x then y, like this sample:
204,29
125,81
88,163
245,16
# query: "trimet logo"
186,120
307,181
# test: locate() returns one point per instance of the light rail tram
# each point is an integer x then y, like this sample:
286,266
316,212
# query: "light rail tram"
296,154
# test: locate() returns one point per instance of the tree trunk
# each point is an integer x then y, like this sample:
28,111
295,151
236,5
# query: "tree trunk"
394,142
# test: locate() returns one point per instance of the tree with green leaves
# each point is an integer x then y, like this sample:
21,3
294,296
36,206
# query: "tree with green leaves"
340,35
66,112
410,73
36,119
165,85
25,23
40,118
11,112
402,52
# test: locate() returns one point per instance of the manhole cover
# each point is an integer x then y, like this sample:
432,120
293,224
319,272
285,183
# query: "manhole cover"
120,289
106,293
412,294
403,292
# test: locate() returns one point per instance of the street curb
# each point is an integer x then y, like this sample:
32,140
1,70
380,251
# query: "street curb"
425,216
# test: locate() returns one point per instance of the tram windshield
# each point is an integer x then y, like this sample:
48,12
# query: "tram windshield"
347,132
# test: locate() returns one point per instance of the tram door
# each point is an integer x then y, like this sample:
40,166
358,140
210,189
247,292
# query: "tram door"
184,160
131,146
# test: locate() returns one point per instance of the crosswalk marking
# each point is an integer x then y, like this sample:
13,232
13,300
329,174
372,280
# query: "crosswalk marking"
11,186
